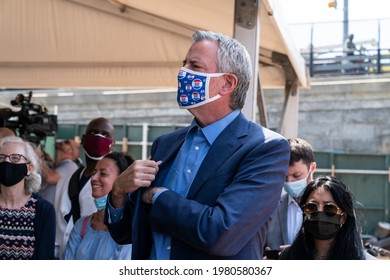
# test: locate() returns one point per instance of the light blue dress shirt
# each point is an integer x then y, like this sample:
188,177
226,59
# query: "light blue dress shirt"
182,173
294,219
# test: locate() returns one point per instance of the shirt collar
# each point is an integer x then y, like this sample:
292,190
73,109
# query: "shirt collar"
292,200
212,131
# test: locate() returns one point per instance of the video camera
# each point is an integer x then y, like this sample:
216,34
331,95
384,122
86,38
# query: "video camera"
32,121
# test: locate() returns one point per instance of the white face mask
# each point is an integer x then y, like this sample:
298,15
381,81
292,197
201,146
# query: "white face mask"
296,188
193,88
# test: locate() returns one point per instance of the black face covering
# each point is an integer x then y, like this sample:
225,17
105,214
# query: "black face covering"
12,173
321,226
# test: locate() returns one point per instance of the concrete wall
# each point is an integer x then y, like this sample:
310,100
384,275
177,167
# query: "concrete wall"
351,116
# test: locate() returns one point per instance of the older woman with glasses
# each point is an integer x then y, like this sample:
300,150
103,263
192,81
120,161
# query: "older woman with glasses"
330,230
27,221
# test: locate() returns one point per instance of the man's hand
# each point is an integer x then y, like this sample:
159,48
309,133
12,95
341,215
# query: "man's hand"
140,174
148,194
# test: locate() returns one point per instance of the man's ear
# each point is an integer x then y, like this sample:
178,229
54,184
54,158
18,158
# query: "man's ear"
230,83
313,169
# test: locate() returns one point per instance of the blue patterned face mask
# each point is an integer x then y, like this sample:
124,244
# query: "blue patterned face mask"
100,202
193,88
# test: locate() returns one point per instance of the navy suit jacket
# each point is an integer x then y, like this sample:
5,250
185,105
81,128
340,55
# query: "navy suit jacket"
225,214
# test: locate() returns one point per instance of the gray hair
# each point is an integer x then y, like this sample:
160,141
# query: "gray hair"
33,181
232,58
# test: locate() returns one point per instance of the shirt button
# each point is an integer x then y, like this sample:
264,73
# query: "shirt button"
188,171
196,148
168,247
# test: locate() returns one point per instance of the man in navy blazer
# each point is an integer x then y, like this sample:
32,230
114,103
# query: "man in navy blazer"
209,189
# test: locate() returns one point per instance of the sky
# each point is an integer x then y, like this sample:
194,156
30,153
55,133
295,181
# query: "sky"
318,10
364,18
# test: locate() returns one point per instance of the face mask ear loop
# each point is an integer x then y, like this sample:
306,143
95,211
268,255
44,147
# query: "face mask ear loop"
214,97
308,174
213,75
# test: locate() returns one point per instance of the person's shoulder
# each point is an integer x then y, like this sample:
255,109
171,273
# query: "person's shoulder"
42,202
39,198
265,132
66,166
261,131
268,139
67,162
271,134
275,139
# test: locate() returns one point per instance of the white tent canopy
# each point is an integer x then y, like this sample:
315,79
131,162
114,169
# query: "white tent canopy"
141,44
123,43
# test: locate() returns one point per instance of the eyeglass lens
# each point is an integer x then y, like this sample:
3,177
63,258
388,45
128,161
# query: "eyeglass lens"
328,209
14,158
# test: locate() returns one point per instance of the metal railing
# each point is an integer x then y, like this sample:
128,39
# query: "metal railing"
321,44
332,171
363,61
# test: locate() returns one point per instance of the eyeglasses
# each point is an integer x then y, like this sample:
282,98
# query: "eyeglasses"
14,158
329,209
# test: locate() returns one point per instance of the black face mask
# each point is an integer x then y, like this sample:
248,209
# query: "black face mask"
12,173
321,226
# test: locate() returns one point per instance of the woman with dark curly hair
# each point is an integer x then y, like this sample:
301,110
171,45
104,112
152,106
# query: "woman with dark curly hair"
330,230
90,239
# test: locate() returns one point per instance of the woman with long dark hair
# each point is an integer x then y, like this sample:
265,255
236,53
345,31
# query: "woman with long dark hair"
330,229
90,239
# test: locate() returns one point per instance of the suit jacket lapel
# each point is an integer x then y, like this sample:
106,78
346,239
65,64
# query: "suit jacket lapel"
283,214
223,147
167,155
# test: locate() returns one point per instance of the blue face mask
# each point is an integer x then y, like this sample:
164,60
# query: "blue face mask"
100,202
296,188
193,88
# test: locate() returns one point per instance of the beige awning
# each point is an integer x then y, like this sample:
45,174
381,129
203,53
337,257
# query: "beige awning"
124,43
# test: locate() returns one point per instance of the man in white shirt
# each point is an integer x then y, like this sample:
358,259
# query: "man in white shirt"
287,218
